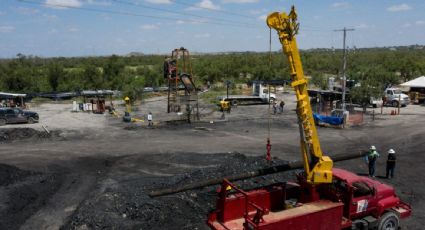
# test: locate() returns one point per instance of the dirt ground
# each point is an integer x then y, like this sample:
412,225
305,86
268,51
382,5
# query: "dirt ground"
93,171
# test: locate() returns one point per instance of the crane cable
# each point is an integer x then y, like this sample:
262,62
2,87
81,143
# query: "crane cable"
268,145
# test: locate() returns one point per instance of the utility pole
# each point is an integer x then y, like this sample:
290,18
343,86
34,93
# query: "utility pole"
344,66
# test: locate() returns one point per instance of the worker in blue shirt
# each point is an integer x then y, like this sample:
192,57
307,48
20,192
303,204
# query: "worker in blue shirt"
371,160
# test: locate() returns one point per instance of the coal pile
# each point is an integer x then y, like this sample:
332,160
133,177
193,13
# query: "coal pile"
124,203
22,193
13,134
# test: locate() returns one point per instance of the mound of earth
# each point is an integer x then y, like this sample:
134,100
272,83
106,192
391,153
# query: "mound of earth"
22,193
12,134
123,203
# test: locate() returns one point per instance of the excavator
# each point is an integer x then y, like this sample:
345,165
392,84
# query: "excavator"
324,197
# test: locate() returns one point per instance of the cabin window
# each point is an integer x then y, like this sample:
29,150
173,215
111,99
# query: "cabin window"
361,189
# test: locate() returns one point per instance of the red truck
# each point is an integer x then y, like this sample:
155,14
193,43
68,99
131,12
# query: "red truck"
349,202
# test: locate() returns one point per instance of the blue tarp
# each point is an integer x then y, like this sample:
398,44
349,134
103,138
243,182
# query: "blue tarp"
328,119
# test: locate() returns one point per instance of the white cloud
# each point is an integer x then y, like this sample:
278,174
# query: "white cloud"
148,27
239,1
159,1
205,35
407,25
340,5
27,11
73,29
179,22
205,4
364,26
50,16
396,8
52,31
99,3
262,17
6,29
62,4
258,11
420,23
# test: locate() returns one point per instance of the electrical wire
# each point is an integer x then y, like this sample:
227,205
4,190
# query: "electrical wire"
210,9
180,13
127,13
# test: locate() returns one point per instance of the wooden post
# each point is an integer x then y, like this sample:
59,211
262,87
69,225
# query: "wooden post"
399,104
382,107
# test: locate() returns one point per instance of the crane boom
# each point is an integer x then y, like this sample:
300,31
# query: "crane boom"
318,168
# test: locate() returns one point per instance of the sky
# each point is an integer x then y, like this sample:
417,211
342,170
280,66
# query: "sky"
66,28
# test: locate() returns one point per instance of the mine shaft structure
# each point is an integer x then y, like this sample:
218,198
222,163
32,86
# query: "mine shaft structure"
182,91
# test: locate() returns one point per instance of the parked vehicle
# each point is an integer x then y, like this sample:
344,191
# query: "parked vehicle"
260,95
17,115
376,102
394,97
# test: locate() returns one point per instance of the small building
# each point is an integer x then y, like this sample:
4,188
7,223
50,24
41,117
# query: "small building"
417,89
12,99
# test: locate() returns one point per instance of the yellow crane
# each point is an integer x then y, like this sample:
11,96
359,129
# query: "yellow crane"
318,168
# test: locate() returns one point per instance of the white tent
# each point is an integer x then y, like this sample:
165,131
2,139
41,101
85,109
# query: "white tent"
416,83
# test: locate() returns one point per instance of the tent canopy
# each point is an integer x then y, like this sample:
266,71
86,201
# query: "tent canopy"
11,95
417,82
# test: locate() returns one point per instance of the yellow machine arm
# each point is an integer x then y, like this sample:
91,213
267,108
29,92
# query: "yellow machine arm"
318,168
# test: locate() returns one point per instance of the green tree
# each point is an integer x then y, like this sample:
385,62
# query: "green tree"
92,77
55,73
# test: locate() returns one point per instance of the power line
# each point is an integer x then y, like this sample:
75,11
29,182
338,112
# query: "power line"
126,13
176,12
210,9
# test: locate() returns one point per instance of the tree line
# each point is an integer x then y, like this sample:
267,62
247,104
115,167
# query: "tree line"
374,68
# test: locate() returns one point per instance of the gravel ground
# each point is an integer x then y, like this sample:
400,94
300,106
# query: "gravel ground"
94,171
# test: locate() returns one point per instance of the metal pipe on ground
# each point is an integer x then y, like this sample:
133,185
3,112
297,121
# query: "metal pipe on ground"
246,175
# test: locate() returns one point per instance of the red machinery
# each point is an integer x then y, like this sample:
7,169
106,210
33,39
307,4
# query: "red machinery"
324,198
349,202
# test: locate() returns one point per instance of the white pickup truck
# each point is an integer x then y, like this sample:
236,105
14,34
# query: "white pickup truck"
394,97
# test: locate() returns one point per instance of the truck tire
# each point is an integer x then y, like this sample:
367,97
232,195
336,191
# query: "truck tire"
388,221
2,122
394,103
31,120
359,225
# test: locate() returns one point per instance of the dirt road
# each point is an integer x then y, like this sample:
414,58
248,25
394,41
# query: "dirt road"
97,175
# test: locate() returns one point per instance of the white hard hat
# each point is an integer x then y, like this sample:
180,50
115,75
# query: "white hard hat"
391,151
372,147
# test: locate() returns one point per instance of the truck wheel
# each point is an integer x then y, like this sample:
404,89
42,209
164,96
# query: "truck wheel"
394,103
388,221
2,122
359,225
31,120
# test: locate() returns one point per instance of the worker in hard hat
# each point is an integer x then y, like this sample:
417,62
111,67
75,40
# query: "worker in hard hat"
371,160
150,122
390,163
127,104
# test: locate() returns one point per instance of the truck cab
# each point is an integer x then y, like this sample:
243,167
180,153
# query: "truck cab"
258,89
368,203
395,97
